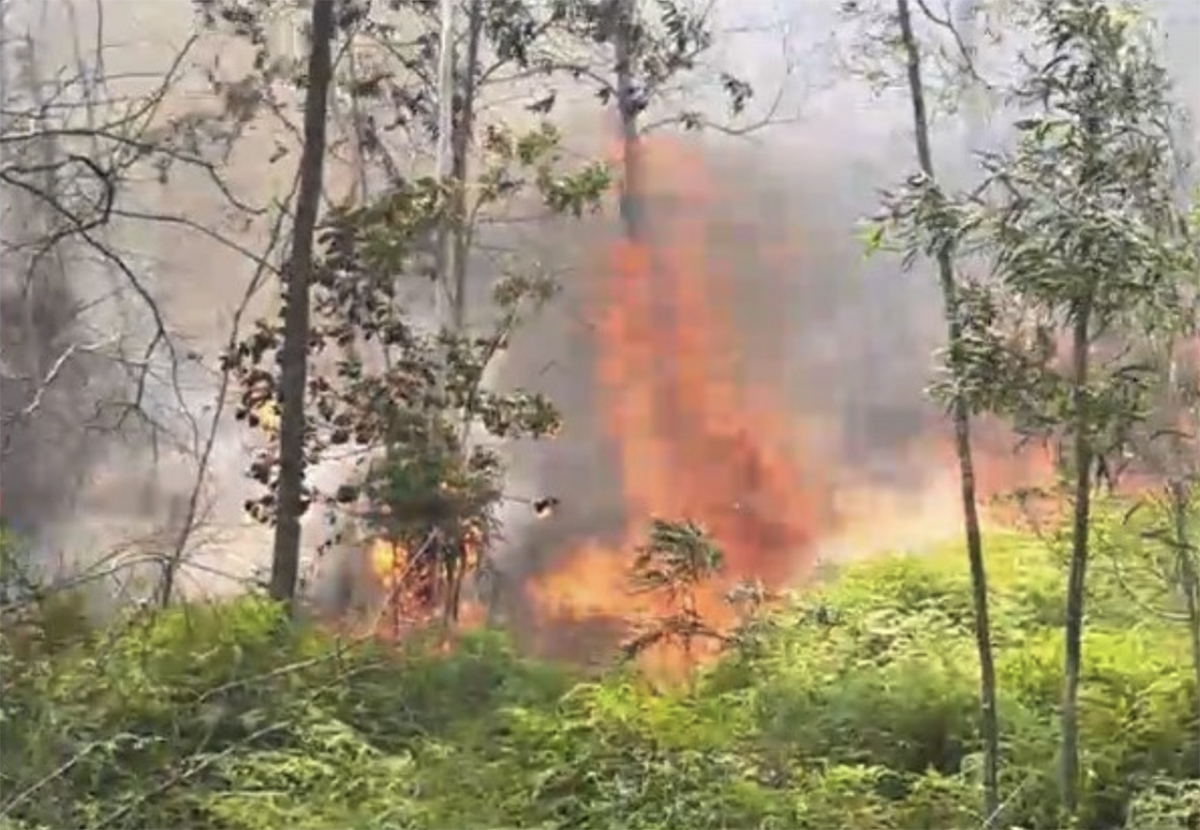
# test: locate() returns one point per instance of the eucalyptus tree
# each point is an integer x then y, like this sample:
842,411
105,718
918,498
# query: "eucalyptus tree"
1081,237
910,222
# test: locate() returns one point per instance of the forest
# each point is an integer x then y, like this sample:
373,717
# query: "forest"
396,438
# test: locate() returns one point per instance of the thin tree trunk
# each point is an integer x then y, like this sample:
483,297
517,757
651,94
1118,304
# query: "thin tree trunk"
5,105
1188,576
464,129
1180,488
445,267
285,563
962,440
444,164
457,232
633,203
1076,581
455,243
632,207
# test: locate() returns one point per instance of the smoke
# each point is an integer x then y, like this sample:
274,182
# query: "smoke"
48,460
847,340
56,373
108,367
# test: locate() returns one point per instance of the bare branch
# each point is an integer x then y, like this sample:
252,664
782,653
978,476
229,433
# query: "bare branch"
220,400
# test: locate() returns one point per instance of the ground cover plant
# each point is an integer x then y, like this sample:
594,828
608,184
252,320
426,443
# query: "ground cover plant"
853,704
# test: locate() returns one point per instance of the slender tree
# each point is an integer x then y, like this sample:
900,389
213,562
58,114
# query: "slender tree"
444,154
941,247
1081,229
285,561
460,149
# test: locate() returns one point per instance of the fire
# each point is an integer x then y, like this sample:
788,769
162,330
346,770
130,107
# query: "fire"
413,598
694,439
405,604
697,439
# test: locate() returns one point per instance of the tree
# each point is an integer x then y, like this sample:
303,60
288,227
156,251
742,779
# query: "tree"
399,87
407,225
385,401
919,210
647,52
293,356
1080,230
91,358
675,562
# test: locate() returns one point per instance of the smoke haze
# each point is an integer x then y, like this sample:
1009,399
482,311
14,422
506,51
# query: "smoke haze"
846,341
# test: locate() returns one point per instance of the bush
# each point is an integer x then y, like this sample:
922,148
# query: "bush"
853,705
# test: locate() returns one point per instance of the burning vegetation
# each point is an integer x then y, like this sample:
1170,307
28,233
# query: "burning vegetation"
727,489
696,442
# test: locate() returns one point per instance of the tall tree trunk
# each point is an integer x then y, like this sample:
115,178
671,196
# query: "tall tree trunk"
962,441
1076,581
454,239
632,207
445,268
444,164
1183,459
285,563
6,106
464,128
460,231
633,201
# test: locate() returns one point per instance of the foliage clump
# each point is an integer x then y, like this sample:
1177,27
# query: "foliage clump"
402,396
852,705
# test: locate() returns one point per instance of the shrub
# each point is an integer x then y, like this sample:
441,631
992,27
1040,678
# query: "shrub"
852,705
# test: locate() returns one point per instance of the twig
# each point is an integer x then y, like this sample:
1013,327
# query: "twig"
52,375
172,565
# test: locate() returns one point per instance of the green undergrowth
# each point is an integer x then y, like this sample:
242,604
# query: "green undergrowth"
854,706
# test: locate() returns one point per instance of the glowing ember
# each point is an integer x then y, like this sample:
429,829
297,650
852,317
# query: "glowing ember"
387,560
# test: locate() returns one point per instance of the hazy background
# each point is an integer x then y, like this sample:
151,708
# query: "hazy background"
846,340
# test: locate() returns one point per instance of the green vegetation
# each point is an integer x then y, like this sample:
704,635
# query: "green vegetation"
1048,682
1068,275
853,705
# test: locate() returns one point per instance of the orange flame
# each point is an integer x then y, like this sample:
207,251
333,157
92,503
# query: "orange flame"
694,439
410,602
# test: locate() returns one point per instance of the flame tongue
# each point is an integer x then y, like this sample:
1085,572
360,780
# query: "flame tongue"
406,605
694,439
412,598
